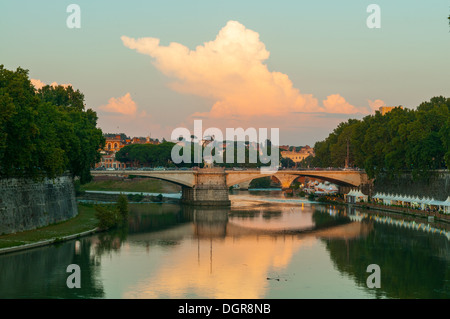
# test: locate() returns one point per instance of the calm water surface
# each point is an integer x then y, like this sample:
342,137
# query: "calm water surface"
264,246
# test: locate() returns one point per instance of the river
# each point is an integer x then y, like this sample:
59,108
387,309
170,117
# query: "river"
264,246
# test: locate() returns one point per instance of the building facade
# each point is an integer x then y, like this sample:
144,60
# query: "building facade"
298,156
114,144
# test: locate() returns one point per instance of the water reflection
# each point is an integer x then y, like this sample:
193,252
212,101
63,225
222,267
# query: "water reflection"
260,250
413,264
41,272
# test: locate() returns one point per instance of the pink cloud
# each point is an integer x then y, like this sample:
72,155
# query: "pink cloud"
231,70
38,84
375,105
335,103
121,105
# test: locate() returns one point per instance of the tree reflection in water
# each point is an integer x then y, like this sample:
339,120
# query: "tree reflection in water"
413,264
41,272
199,244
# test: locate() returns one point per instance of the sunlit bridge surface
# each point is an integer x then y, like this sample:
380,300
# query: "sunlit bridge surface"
264,246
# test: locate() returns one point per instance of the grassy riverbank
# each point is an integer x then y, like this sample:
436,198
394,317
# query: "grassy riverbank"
132,185
84,221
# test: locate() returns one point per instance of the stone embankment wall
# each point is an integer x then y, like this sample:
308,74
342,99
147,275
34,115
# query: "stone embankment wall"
437,186
26,204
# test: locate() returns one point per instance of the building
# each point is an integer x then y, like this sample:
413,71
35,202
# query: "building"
386,109
109,161
114,143
299,156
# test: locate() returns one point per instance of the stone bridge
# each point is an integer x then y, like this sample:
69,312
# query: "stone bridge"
209,186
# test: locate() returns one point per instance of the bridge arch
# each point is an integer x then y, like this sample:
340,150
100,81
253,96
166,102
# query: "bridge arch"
209,187
342,178
233,179
186,179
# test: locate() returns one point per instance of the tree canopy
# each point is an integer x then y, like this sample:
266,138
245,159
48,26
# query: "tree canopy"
146,154
402,140
45,132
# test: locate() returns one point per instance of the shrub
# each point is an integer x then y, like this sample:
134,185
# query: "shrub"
122,206
135,197
77,186
322,200
107,217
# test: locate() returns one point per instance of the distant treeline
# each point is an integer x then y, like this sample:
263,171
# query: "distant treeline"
401,140
146,154
161,155
45,132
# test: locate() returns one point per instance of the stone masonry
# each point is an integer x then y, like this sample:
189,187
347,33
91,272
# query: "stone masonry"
26,204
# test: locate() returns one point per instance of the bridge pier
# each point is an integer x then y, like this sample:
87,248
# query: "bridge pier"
209,222
210,189
205,196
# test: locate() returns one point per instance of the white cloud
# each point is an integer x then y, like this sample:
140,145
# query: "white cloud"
122,105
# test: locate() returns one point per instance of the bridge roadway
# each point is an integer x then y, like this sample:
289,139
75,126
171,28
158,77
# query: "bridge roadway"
209,186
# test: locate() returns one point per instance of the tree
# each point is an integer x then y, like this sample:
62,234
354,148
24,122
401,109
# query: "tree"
107,217
62,96
45,132
401,140
146,154
122,207
287,162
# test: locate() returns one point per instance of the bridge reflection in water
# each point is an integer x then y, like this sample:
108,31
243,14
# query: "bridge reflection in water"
220,222
215,254
276,251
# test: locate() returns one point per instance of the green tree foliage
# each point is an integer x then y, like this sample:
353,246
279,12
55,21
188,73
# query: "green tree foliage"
146,154
306,162
45,132
62,96
401,140
161,155
262,182
286,162
122,206
113,216
107,217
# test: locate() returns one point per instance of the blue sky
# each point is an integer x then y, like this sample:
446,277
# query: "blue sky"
323,47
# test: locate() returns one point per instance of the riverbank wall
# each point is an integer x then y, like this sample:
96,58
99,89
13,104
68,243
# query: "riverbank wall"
100,197
26,204
435,186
